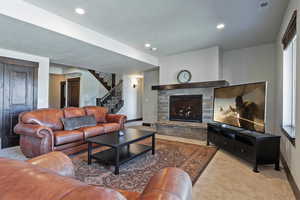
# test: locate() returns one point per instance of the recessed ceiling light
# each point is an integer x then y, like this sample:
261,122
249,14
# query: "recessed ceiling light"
80,11
147,45
153,49
220,26
263,4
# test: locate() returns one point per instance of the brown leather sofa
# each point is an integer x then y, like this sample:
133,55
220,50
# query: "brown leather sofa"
42,131
49,177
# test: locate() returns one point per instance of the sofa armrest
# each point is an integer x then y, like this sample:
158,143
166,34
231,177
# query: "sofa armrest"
120,119
35,140
57,162
33,130
169,183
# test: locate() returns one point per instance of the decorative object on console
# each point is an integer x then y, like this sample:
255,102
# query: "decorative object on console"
254,147
184,76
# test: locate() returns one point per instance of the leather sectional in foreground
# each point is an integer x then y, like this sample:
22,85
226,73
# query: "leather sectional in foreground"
50,177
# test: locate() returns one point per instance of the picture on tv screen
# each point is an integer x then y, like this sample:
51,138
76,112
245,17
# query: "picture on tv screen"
241,106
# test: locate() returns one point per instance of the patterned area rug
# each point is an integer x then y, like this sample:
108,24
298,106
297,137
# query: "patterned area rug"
135,174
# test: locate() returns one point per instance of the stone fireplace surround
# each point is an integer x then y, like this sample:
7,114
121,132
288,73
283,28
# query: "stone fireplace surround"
164,100
200,88
186,129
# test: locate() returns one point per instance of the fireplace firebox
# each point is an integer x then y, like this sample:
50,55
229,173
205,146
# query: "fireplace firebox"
186,108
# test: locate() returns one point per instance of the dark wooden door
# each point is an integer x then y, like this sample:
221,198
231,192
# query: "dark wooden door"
73,92
62,94
18,85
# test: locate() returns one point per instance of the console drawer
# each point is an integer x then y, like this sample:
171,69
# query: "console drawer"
246,151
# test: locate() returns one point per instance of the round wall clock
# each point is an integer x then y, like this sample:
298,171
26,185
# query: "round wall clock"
184,76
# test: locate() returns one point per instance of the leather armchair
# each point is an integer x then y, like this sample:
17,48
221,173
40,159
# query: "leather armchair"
41,178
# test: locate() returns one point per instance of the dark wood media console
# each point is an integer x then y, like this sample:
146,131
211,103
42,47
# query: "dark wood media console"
257,148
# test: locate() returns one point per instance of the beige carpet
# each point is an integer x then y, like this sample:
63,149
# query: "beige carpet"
230,178
135,174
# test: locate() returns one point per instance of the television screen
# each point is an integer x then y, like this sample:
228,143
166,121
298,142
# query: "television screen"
241,106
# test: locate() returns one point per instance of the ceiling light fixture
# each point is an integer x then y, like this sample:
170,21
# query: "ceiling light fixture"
153,49
80,11
220,26
147,45
263,4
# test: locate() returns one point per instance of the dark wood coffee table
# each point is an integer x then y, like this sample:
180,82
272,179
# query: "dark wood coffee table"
123,147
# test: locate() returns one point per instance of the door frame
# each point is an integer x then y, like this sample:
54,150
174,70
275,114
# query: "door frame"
63,84
75,79
21,63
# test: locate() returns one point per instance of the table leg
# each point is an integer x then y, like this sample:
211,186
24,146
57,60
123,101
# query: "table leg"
153,144
89,153
277,167
255,168
128,149
117,150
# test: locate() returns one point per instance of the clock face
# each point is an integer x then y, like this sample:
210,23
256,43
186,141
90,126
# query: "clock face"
184,76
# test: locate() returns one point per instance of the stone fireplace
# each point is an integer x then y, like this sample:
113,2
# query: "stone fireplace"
184,109
164,97
189,92
187,108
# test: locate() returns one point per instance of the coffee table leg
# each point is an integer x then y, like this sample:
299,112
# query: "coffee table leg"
89,153
153,144
117,161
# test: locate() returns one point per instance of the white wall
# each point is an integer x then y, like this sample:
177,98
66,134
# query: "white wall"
54,90
150,102
204,65
252,65
90,87
290,153
43,73
132,97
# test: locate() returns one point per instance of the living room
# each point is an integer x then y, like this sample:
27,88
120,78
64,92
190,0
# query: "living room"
149,100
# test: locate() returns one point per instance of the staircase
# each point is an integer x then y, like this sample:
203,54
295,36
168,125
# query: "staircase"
112,100
107,79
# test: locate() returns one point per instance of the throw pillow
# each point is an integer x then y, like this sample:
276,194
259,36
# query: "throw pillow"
73,123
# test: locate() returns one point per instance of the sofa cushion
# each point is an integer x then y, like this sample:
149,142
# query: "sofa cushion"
110,127
45,117
92,131
64,137
73,112
73,123
99,113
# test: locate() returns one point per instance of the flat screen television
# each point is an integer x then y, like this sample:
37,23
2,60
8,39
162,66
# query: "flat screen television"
242,106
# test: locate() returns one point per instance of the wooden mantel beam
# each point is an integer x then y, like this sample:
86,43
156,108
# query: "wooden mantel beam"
206,84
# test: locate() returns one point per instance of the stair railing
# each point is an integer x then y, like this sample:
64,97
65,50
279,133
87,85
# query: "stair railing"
114,92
